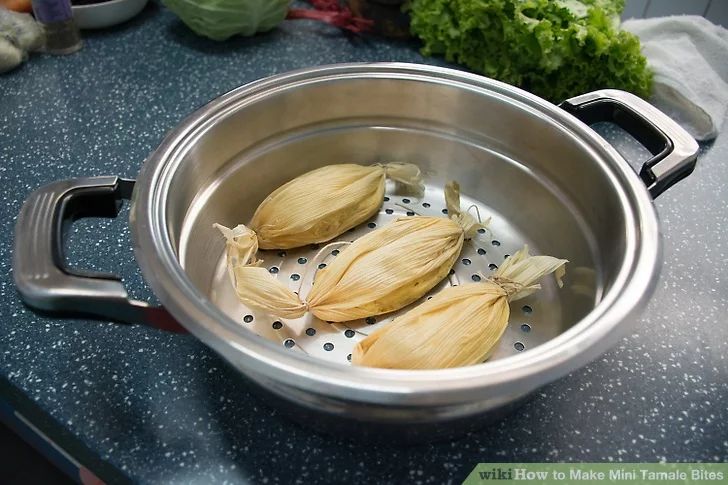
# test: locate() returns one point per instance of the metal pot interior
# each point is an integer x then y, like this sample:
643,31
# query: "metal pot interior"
515,158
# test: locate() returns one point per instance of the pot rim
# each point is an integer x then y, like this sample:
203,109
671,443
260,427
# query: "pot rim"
265,361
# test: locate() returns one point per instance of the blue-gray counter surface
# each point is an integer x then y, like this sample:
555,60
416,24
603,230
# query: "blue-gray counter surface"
133,403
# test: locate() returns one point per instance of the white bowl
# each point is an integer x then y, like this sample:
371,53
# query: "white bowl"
106,14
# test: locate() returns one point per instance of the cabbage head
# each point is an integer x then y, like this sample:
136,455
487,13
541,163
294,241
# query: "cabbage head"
221,19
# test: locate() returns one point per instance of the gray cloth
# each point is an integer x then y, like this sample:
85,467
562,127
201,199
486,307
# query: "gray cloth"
689,56
19,34
10,55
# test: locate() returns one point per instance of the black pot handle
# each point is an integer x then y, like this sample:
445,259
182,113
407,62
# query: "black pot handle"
674,151
41,275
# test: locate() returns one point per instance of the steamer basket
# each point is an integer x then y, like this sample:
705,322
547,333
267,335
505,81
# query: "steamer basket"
536,319
545,178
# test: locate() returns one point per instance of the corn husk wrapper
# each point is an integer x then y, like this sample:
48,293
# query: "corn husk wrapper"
381,272
459,326
324,203
253,284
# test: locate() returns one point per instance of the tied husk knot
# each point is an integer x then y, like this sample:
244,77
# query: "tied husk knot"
509,286
467,222
519,273
253,284
241,246
406,174
459,326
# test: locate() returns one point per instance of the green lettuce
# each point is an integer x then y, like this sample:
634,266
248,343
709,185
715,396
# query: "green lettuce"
555,49
221,19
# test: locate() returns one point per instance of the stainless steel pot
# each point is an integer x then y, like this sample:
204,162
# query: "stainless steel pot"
544,176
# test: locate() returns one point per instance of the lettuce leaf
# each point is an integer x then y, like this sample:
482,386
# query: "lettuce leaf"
555,49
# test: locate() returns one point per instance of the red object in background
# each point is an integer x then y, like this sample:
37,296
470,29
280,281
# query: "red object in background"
86,477
17,5
331,12
158,317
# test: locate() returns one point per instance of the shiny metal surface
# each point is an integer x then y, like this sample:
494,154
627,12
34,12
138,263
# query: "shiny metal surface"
546,178
680,149
534,166
38,277
39,270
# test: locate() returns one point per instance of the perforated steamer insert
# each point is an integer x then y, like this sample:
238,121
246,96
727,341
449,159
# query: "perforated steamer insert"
533,320
542,174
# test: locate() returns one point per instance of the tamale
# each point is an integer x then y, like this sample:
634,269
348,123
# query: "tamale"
381,272
324,203
459,326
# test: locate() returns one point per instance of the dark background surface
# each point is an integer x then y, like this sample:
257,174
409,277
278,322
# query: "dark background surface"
134,403
22,464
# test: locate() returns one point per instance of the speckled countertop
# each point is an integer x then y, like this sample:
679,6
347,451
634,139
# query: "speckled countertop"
135,403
